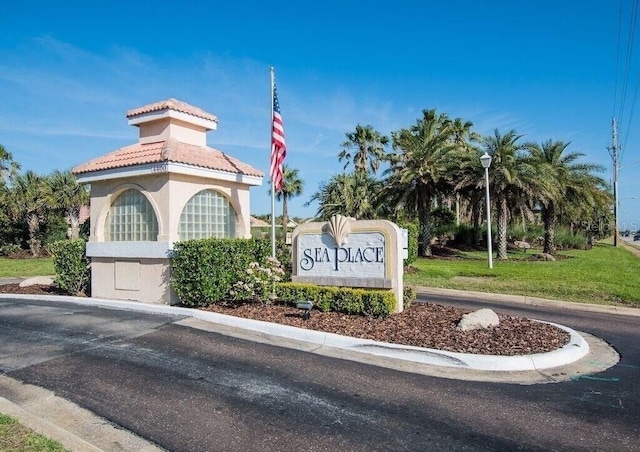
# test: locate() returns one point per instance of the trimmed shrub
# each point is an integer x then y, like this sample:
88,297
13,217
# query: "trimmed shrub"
204,271
258,281
378,303
71,265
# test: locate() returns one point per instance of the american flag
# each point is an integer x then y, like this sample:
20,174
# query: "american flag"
278,146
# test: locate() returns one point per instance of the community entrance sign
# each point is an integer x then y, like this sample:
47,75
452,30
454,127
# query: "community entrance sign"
345,252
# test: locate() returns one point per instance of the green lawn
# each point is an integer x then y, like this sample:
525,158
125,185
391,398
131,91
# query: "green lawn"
602,275
15,437
26,267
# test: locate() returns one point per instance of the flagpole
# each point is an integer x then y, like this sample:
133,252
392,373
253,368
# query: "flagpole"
273,188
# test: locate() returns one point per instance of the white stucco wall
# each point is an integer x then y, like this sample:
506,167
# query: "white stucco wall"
144,280
163,129
141,270
168,194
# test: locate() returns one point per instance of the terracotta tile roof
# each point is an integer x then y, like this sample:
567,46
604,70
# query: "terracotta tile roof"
170,150
172,104
257,223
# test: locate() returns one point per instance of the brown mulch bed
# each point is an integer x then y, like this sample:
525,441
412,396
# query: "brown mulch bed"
422,324
36,289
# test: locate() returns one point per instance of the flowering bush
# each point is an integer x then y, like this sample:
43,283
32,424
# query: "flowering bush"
258,282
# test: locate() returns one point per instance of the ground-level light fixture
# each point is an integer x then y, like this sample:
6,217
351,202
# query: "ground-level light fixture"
306,306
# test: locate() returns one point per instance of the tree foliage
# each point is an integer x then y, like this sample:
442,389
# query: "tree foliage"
365,148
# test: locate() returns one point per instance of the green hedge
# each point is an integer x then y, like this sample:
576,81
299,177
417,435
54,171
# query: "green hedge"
378,303
203,271
71,265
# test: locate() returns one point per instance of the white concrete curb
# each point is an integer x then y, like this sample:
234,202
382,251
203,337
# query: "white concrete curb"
576,349
527,300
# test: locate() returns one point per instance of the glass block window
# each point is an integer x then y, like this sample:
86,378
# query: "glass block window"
131,218
207,214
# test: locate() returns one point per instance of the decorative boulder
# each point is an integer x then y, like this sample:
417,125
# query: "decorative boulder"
521,245
482,318
39,280
545,257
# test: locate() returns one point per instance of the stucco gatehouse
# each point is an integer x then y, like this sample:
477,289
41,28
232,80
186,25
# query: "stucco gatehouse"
169,186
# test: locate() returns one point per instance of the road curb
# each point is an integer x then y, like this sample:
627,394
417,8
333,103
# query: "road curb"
76,428
531,301
570,353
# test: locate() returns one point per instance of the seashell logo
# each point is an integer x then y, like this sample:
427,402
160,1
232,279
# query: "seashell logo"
339,228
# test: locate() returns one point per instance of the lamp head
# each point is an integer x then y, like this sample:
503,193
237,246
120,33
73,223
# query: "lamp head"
485,160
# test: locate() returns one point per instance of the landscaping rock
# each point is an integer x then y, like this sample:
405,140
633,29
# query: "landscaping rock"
37,280
545,257
482,318
521,245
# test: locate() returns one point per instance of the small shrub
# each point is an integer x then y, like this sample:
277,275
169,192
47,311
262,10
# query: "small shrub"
409,294
54,230
530,234
564,239
9,250
283,254
378,303
465,236
258,281
71,265
443,225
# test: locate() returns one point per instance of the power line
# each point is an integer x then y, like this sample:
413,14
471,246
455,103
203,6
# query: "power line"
627,68
633,103
615,89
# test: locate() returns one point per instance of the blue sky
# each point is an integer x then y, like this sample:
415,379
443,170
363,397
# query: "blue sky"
69,71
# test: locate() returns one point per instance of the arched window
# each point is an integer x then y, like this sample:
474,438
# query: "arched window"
131,218
207,214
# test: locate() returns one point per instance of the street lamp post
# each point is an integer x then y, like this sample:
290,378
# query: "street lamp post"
486,163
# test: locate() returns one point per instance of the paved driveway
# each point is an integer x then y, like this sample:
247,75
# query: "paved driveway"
188,389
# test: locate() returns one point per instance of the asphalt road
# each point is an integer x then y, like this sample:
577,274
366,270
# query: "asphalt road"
191,390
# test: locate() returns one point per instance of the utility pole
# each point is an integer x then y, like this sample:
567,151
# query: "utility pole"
614,152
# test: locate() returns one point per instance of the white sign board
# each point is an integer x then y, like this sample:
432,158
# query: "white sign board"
361,256
344,252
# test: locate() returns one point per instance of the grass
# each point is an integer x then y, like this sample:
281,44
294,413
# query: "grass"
602,275
26,267
16,437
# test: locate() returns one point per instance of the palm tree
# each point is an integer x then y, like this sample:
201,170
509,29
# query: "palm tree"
292,186
8,167
420,169
353,195
589,208
513,178
28,202
464,138
366,147
68,196
572,182
469,177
